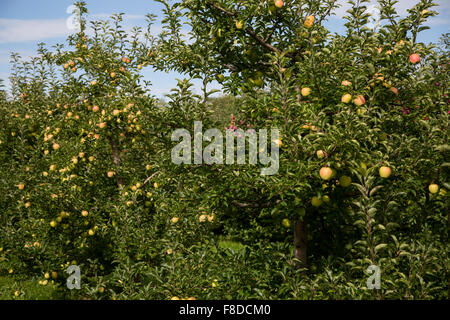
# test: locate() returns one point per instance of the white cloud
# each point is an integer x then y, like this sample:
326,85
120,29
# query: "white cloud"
20,30
401,7
15,30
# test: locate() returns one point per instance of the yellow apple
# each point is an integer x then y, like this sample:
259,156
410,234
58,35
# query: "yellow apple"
385,172
306,92
316,202
320,154
309,21
286,223
346,98
434,188
345,181
325,173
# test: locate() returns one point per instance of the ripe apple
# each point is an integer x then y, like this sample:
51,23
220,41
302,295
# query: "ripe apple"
111,174
124,59
309,21
239,24
306,92
320,154
279,3
174,219
84,213
346,83
112,74
203,218
66,65
346,98
139,66
316,202
414,58
95,108
434,188
53,223
21,186
55,146
359,100
325,173
385,172
394,90
91,232
345,181
102,125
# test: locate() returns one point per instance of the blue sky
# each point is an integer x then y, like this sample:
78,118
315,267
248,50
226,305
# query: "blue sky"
24,23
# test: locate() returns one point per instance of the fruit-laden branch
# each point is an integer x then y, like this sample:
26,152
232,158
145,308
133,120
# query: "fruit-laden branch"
248,30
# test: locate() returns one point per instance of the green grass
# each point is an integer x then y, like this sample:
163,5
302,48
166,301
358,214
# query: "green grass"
29,289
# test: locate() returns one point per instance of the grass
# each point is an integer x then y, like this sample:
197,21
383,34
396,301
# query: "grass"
27,289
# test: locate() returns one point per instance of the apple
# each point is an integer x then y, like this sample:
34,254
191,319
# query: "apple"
220,78
286,223
84,213
203,218
346,98
320,154
306,92
101,289
175,298
139,66
174,219
414,58
21,186
95,108
272,9
279,3
325,173
345,181
125,60
111,174
326,199
239,24
385,172
53,223
346,83
55,146
434,188
316,202
359,100
309,21
394,90
102,125
66,65
91,232
112,74
148,167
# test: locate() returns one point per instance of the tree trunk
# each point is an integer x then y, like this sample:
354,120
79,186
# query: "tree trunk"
300,241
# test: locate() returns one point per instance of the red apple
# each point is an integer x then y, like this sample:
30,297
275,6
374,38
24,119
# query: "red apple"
414,58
